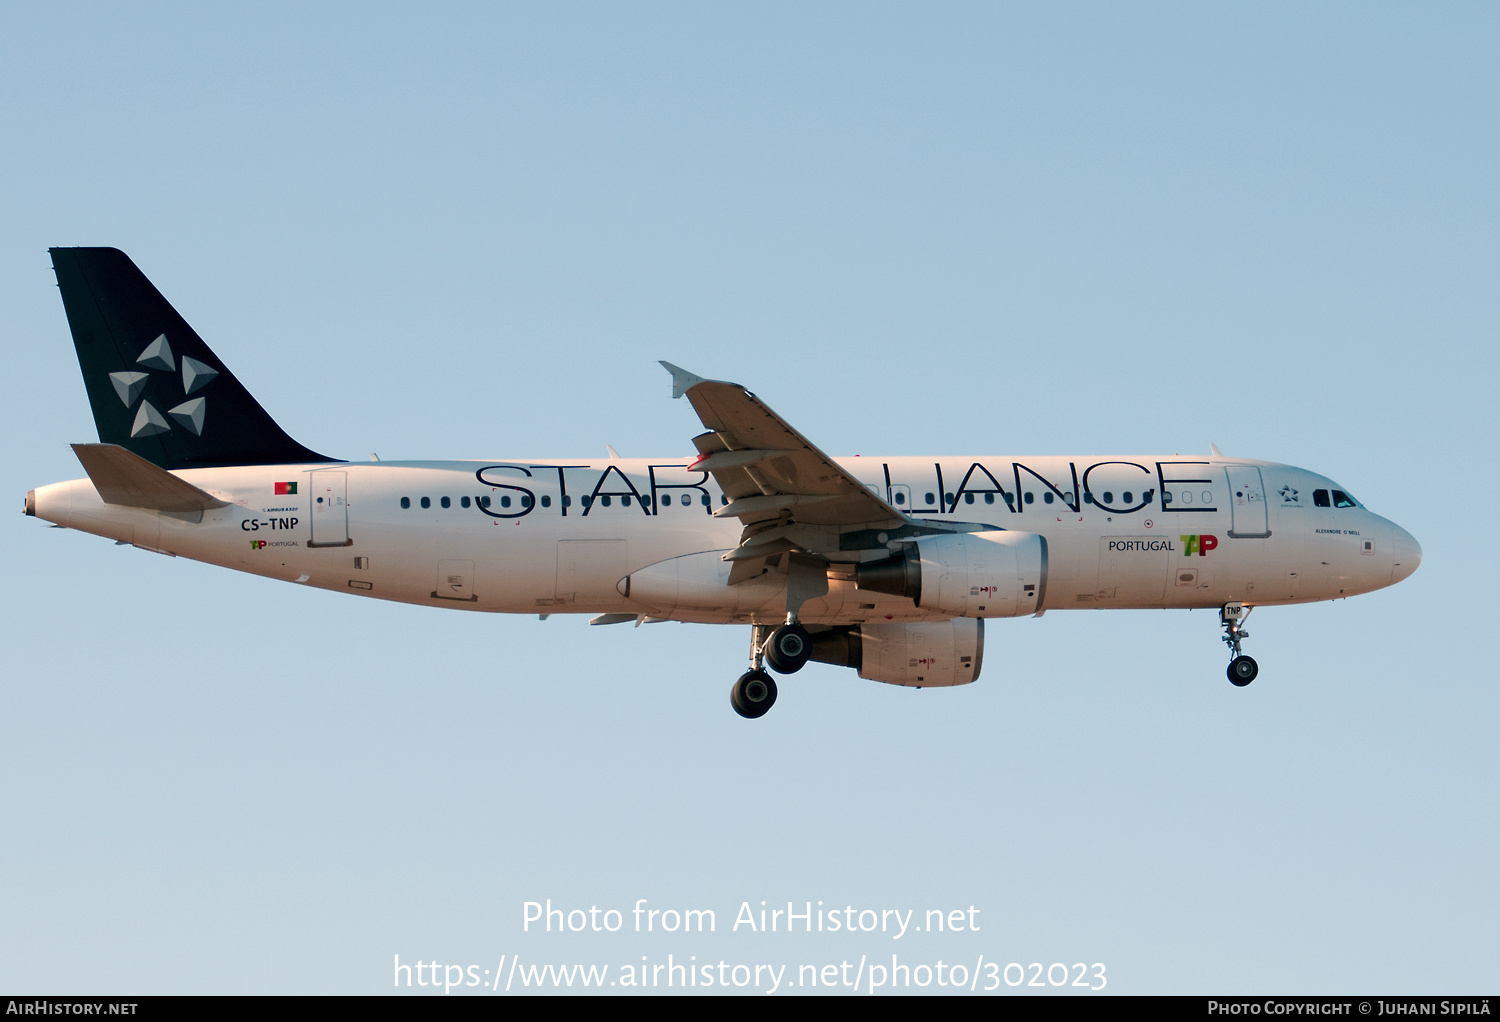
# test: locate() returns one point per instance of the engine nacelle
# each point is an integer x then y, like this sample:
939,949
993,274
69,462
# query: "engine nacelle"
966,574
924,653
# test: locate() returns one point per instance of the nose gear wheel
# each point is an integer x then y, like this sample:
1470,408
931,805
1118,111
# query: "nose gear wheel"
1242,669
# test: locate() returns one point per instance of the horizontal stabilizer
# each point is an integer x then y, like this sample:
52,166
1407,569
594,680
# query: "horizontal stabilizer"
131,481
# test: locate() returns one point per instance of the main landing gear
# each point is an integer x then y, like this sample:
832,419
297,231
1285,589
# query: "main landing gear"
789,649
1242,669
753,694
785,650
755,691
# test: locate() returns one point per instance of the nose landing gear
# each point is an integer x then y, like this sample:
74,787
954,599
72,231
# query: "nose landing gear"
1242,669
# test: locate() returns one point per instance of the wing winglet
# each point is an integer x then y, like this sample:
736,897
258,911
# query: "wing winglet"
682,380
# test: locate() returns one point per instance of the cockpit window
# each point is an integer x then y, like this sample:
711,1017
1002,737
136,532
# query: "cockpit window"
1320,498
1342,499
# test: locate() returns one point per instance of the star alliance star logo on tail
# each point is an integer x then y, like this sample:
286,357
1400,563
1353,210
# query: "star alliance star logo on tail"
189,414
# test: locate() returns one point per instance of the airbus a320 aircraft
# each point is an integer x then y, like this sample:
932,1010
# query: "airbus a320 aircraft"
889,566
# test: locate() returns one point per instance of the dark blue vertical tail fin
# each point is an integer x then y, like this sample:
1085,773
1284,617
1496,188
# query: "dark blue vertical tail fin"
155,387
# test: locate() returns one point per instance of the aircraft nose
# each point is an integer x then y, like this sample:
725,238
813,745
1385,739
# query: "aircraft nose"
1407,553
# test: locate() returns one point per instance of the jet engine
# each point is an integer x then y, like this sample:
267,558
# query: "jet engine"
965,574
921,654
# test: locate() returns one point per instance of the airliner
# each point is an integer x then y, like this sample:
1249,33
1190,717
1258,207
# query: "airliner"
889,566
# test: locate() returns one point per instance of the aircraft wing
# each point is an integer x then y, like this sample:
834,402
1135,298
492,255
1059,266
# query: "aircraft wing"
777,482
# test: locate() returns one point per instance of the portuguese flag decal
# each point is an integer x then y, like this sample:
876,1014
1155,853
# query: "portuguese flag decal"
285,489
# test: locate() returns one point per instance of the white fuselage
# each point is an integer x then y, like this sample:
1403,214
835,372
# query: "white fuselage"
547,536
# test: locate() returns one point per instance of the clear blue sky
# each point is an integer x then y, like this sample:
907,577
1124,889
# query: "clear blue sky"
470,231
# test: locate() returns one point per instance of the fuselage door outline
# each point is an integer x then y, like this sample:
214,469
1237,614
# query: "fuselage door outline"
1247,503
328,496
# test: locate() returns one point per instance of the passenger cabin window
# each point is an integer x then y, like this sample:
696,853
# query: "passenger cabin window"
989,498
484,501
931,499
426,502
900,497
463,501
546,501
406,502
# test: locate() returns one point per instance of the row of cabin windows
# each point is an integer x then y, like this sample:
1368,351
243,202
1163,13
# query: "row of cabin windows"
606,500
1321,498
1107,497
462,501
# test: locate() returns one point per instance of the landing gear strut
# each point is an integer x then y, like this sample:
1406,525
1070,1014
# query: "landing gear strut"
755,691
1242,669
787,649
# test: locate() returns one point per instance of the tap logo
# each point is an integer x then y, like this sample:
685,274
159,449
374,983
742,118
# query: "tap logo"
257,544
1200,545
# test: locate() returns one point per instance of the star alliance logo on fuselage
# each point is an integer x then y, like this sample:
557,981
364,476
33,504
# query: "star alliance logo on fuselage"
195,376
1288,495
